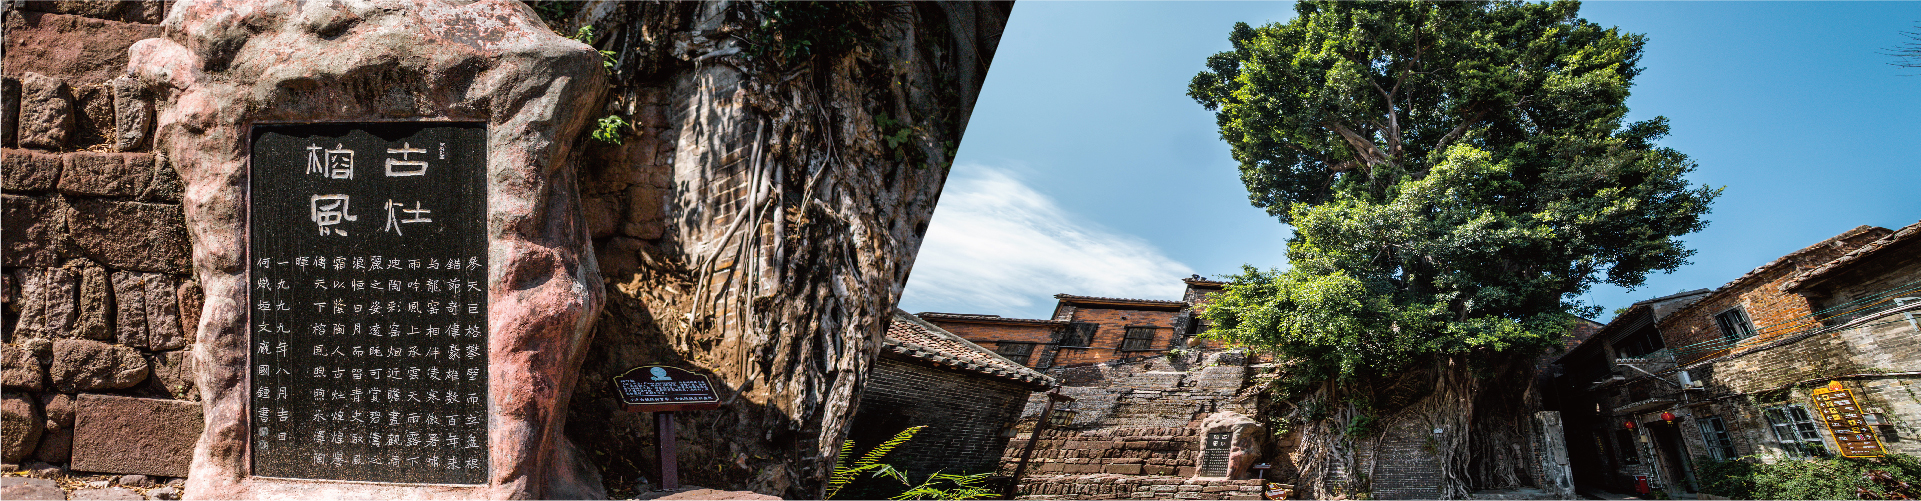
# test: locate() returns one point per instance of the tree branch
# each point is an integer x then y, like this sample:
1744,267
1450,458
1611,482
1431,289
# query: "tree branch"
1370,153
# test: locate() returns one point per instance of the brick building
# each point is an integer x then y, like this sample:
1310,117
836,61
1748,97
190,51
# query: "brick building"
1736,368
1089,330
101,311
967,396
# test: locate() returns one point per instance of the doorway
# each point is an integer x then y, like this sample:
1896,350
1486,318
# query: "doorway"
1673,458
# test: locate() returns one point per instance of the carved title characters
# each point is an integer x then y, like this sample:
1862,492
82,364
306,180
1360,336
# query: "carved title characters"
329,211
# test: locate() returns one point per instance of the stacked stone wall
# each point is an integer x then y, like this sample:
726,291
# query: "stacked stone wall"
1132,487
101,307
965,414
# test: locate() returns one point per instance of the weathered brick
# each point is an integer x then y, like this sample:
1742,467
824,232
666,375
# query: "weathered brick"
46,111
163,313
106,174
28,170
94,305
46,303
114,434
21,369
131,235
130,302
82,365
23,423
34,231
132,114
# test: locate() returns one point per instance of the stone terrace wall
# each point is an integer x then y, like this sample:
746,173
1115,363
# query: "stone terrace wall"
100,310
1135,430
1131,487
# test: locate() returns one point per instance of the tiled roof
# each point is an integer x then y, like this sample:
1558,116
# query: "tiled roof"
1196,280
1070,298
1908,233
964,317
1778,262
911,337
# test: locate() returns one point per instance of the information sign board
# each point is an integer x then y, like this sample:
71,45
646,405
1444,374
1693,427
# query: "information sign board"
1837,407
660,388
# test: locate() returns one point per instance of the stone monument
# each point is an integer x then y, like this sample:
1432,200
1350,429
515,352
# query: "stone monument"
386,227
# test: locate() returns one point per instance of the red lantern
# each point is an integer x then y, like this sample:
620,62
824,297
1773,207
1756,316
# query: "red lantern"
1628,424
1668,416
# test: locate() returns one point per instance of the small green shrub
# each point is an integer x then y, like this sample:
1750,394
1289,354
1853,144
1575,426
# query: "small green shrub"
1823,478
609,129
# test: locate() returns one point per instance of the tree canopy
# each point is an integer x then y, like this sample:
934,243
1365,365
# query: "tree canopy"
1456,173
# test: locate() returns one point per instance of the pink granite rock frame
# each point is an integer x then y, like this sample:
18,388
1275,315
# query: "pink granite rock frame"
223,66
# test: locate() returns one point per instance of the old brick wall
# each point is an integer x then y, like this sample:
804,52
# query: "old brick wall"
1693,333
101,307
1105,486
966,416
1134,422
1113,323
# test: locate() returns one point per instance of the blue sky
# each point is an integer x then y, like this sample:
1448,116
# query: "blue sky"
1086,170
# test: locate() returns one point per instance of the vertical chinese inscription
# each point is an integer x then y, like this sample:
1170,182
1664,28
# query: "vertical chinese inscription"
367,280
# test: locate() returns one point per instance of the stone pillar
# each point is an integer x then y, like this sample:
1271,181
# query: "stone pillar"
1556,477
226,67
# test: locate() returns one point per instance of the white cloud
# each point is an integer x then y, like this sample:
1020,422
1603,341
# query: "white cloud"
996,246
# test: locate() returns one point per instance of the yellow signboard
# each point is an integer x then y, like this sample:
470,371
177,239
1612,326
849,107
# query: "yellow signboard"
1837,407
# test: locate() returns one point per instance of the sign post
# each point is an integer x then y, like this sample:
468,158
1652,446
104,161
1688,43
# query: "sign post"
664,390
1843,416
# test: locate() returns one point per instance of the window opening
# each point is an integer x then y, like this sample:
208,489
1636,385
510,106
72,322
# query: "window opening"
1794,430
1138,339
1079,334
1017,352
1629,453
1735,325
1715,434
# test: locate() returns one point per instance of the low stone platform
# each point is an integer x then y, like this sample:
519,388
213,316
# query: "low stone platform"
1110,486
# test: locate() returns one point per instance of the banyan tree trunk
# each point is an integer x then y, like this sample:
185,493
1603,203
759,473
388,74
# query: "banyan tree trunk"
775,174
1480,405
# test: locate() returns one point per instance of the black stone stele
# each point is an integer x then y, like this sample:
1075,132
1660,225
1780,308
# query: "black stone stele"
660,388
367,289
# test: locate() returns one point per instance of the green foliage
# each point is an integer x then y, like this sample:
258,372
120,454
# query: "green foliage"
793,31
586,36
609,129
555,12
845,473
1826,478
1456,173
949,486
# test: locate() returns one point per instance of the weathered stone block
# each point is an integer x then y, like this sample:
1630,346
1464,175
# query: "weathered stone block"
115,434
93,114
34,231
1123,469
165,186
105,494
1158,470
603,216
106,174
82,365
163,313
22,423
191,299
131,235
132,114
93,312
46,112
28,170
56,443
24,488
46,303
130,306
9,111
173,374
644,204
20,369
77,48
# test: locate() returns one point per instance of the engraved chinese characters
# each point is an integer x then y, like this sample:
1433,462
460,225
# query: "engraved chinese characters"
367,282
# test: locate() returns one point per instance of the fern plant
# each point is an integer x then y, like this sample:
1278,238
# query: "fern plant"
964,487
845,473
